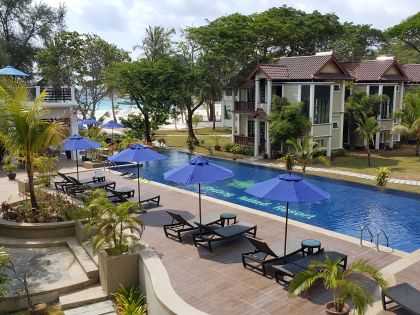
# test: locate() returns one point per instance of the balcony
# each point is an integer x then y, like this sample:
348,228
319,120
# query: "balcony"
53,95
244,107
244,141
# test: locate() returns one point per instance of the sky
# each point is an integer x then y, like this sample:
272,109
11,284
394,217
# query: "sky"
122,22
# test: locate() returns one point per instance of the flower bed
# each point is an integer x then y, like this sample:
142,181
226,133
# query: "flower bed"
52,208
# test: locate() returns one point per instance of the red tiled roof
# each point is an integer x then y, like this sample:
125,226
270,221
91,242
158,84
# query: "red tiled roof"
373,70
412,72
275,71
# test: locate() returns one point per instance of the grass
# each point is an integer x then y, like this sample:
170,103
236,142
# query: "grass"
199,131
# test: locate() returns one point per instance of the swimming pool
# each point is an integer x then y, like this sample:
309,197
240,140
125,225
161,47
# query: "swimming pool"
351,205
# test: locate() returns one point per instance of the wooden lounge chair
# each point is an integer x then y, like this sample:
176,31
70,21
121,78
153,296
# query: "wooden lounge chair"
264,254
210,234
292,269
120,198
80,187
61,186
404,295
179,225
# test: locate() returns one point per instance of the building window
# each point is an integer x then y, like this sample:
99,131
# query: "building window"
277,90
335,125
262,90
228,92
337,88
322,104
387,107
397,88
321,143
228,112
347,93
373,89
250,95
251,128
305,96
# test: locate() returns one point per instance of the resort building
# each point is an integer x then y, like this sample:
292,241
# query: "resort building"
321,83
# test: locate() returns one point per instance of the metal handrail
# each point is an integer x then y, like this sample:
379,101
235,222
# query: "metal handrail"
365,227
377,238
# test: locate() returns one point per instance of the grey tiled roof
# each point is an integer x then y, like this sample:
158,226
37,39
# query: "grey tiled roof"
412,72
372,70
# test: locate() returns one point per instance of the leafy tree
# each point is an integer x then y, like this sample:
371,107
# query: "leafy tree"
367,127
150,86
410,117
157,42
23,128
306,151
287,121
80,59
25,26
408,32
135,125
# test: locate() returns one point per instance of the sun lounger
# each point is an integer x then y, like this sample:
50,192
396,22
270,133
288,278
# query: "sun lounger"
264,254
62,185
179,225
120,198
210,234
404,295
292,269
80,187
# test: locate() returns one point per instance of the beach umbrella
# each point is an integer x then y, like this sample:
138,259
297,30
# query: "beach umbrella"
136,153
288,188
198,171
76,143
12,72
111,125
90,121
80,127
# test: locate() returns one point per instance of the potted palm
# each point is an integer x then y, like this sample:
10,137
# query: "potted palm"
9,166
117,236
346,285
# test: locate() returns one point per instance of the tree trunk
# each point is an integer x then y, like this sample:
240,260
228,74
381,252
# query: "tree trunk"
113,106
304,168
147,129
417,147
191,133
30,173
368,152
213,107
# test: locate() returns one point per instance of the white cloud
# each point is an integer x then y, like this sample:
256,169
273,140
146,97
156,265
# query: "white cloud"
123,22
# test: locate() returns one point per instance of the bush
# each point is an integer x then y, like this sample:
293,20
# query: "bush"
228,147
289,160
46,170
382,175
337,152
190,145
236,149
130,301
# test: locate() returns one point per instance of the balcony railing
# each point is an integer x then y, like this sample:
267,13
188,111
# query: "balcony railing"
244,106
245,141
53,95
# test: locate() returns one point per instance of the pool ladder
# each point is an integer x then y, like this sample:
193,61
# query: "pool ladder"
380,232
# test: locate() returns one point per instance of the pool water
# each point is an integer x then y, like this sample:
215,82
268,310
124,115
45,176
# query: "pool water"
351,205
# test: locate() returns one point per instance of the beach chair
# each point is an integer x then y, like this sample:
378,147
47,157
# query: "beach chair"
210,234
264,254
403,295
293,268
61,186
145,198
80,187
180,225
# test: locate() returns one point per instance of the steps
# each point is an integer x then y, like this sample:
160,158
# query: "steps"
84,259
100,308
89,295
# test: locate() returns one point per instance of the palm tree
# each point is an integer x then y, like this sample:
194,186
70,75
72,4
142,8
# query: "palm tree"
24,129
157,42
367,127
410,117
347,285
306,150
112,223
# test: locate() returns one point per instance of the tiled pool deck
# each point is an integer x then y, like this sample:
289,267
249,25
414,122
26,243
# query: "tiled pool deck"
216,283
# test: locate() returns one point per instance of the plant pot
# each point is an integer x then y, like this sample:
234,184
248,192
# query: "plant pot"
217,147
39,309
11,176
330,310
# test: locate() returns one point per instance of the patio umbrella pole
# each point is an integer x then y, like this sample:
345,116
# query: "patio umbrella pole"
77,165
285,233
138,181
199,200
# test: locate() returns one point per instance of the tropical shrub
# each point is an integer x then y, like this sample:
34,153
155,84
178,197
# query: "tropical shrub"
228,147
130,301
195,120
347,285
382,175
190,145
46,170
9,164
306,151
289,160
4,259
236,150
367,127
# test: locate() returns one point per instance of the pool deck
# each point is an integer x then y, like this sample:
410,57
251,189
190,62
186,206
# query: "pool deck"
217,283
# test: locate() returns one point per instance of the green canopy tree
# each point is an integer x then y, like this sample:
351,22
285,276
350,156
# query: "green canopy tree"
24,129
410,117
80,59
287,121
408,32
25,27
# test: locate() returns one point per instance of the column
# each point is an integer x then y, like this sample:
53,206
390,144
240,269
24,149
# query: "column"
267,131
73,94
378,118
268,139
257,137
233,126
391,141
311,107
329,145
73,127
377,140
37,91
257,93
269,95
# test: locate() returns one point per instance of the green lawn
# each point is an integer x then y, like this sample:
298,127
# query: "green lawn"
199,131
